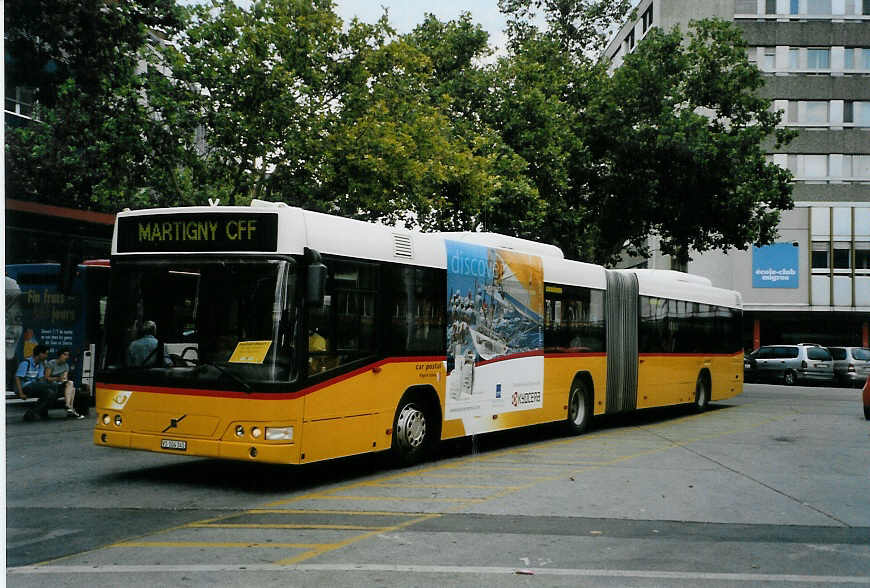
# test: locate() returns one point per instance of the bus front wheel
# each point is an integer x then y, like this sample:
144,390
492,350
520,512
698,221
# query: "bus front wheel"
411,432
578,409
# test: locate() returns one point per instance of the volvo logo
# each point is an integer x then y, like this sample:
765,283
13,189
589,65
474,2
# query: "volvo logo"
173,423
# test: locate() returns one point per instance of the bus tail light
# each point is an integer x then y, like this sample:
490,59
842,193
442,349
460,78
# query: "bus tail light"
279,433
851,368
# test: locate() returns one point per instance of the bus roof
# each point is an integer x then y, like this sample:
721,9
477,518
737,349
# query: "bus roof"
335,235
683,286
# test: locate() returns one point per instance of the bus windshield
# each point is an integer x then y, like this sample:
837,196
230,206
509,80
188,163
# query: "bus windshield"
203,323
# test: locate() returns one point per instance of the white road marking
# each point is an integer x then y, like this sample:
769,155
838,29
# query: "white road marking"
39,539
423,569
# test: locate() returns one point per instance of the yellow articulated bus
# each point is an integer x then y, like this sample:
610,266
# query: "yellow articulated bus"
269,333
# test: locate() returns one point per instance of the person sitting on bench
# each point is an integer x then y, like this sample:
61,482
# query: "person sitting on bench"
57,373
30,382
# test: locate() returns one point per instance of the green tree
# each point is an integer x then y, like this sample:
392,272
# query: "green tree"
676,137
668,145
99,142
355,120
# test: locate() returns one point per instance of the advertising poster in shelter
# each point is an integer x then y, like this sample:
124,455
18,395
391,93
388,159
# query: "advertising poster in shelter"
495,308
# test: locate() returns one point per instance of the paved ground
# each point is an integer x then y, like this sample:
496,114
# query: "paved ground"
770,488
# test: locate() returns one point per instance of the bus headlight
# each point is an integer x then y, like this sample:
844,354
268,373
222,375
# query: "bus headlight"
240,430
279,433
117,420
255,432
106,419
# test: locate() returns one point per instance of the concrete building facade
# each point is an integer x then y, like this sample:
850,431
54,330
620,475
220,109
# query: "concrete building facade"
813,284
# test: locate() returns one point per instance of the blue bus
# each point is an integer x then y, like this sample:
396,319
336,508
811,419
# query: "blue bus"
42,309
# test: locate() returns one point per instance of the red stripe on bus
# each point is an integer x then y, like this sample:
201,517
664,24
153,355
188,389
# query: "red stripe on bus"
690,354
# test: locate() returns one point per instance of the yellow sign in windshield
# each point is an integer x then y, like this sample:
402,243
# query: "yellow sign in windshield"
250,352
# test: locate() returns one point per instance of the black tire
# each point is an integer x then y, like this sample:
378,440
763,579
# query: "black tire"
789,378
413,429
702,394
867,412
579,411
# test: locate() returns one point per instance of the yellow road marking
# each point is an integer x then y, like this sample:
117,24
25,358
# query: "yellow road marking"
439,486
283,526
345,543
481,475
372,513
222,544
553,462
390,498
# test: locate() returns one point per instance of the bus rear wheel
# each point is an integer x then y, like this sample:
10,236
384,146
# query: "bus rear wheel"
412,431
578,409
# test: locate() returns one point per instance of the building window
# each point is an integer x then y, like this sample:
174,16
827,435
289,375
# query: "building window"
770,7
819,7
860,113
820,259
794,59
846,171
815,166
816,111
818,58
842,255
849,59
20,100
865,9
848,111
647,18
630,40
862,256
865,58
861,167
792,111
794,6
769,58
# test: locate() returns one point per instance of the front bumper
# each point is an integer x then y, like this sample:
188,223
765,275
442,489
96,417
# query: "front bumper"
284,453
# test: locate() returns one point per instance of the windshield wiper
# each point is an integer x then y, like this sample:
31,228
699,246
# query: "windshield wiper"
224,371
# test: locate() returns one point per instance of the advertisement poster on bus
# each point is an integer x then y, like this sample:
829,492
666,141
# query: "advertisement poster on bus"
495,307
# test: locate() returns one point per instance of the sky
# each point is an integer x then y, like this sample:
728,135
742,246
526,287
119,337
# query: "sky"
406,14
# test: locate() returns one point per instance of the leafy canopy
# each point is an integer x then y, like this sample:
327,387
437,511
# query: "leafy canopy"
159,105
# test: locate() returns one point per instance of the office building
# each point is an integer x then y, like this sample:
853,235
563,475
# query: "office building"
813,284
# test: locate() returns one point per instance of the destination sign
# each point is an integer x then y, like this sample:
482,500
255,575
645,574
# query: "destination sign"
198,232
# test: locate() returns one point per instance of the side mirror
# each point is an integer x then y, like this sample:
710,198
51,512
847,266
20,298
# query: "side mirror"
315,285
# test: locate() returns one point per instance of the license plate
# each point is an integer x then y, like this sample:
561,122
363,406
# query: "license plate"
173,444
821,365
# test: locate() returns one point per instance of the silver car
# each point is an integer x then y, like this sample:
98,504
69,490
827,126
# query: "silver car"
851,365
789,364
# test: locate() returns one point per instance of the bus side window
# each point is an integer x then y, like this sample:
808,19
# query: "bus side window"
416,309
343,329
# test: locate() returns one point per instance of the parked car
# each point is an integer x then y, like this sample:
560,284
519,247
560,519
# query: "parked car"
851,365
789,364
866,397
